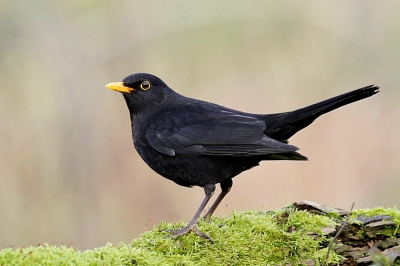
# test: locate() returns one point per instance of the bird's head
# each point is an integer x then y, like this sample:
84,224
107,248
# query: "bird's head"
142,91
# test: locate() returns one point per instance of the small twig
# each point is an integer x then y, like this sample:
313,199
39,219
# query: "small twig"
337,234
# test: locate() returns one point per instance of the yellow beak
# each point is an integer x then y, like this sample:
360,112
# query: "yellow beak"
119,86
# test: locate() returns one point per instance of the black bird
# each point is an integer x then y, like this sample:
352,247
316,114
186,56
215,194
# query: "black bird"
197,143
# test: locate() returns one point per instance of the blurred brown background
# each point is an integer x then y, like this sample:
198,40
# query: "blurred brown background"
68,168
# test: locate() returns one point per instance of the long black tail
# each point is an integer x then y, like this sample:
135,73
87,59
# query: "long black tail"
284,125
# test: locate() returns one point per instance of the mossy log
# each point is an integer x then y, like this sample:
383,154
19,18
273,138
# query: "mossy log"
299,234
365,238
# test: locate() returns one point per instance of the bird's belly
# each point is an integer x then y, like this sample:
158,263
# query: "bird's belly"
195,171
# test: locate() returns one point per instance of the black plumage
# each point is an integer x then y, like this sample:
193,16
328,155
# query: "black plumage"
197,143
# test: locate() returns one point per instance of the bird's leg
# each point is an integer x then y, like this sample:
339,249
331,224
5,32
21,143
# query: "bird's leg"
225,187
209,191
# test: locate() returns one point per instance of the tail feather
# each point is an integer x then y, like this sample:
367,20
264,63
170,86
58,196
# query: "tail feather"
282,126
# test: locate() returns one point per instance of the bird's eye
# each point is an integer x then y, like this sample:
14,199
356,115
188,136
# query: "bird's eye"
145,85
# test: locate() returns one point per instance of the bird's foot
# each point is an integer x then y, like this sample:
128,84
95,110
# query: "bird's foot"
187,229
207,217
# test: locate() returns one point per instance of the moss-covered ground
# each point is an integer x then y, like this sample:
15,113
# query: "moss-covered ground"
281,237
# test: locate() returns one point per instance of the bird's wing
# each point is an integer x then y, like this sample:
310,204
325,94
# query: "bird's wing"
222,133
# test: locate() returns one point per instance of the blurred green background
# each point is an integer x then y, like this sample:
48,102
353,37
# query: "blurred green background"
69,171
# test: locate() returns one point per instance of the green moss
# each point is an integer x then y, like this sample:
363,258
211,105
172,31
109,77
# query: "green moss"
393,212
379,211
249,238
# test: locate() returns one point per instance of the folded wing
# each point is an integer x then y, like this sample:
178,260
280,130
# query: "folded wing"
225,133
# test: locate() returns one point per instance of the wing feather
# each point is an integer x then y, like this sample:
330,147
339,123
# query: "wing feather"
224,133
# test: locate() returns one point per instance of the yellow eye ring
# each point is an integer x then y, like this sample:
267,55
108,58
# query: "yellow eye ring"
145,85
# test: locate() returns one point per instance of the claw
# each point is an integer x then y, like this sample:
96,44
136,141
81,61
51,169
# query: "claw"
187,229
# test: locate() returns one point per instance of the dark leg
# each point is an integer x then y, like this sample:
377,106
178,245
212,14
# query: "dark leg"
225,187
209,190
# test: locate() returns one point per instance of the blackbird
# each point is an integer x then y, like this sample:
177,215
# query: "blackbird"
198,143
